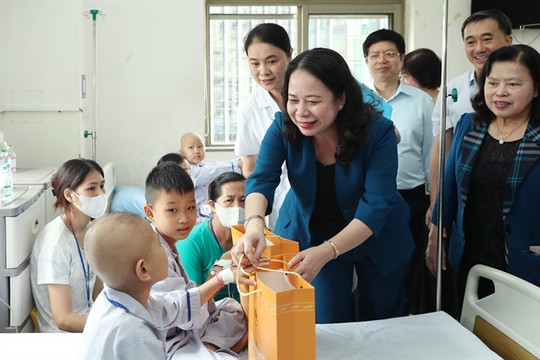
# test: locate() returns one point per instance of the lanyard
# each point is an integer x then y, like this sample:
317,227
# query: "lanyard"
86,270
146,320
214,234
116,303
230,293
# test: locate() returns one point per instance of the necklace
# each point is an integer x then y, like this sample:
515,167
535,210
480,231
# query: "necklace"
504,136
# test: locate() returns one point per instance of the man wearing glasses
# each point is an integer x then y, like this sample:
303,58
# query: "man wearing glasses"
384,51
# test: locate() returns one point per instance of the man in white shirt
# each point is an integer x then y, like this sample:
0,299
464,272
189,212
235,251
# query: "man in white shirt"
384,51
483,32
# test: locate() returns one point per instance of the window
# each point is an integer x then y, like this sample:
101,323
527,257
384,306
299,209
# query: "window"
346,34
229,77
342,26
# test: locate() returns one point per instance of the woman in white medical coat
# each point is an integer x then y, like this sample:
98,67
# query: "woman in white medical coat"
269,51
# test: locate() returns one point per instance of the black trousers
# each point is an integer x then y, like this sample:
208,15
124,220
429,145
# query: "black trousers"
419,284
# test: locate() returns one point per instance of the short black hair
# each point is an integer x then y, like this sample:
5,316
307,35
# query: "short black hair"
174,157
425,66
269,33
166,177
384,35
214,189
505,24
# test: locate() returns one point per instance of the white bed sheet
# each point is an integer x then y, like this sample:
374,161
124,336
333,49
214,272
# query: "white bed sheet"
428,336
40,346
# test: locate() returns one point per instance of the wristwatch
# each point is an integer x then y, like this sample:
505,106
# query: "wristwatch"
215,269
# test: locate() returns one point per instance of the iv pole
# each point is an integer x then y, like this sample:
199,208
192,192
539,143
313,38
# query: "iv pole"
442,146
93,133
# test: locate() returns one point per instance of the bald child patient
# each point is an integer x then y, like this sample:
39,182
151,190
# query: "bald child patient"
192,148
125,321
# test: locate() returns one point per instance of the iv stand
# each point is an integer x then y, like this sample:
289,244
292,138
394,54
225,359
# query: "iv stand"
442,147
93,133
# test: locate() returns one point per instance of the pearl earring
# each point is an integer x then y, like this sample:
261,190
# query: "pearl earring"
340,107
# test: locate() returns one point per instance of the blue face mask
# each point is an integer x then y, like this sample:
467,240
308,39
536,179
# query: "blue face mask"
93,206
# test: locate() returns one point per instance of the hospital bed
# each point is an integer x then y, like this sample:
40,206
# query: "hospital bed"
507,320
427,336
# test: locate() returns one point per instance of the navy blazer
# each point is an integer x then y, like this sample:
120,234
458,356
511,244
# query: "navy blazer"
521,204
366,190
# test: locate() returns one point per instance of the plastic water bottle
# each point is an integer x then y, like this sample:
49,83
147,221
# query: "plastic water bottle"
6,183
12,159
3,157
3,143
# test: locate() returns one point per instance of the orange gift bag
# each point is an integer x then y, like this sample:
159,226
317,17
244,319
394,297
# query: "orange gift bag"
281,309
276,245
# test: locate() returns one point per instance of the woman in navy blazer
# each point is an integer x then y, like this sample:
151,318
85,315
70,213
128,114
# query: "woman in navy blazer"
343,207
491,185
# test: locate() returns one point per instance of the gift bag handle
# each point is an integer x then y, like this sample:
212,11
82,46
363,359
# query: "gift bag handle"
239,268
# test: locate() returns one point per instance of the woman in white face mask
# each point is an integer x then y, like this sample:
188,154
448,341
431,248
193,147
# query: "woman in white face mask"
206,249
63,285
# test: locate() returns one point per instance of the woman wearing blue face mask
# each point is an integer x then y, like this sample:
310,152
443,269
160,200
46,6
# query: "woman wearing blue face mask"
206,249
63,285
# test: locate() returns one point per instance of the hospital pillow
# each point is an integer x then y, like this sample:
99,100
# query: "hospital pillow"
128,198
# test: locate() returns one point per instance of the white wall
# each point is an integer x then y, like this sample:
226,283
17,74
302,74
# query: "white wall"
38,68
150,75
150,80
423,29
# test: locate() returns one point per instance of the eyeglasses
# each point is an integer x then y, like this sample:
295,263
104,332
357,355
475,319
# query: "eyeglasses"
387,55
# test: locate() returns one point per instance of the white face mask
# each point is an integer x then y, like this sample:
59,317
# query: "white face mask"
93,206
229,216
